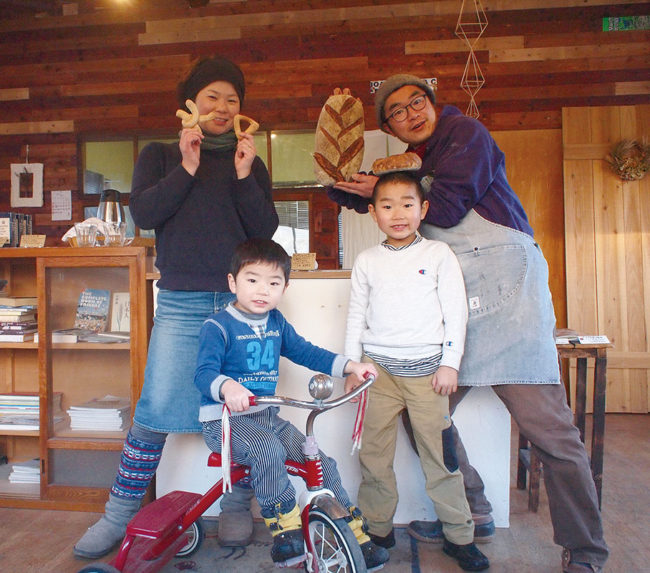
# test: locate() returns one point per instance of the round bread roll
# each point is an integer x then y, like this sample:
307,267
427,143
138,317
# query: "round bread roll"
408,161
338,150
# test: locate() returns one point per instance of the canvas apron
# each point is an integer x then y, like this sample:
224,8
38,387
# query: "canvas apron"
510,331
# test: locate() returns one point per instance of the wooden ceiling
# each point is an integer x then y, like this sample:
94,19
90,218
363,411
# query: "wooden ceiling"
111,66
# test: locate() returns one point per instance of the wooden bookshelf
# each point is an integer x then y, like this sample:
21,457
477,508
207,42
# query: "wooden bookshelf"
77,467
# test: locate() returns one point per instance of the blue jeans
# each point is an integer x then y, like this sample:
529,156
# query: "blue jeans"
169,401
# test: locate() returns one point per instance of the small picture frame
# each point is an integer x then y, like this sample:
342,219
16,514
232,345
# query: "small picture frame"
26,184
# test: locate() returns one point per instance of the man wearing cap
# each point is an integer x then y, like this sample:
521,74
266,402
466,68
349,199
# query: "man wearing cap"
510,342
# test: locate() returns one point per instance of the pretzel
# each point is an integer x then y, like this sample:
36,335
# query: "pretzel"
192,120
253,126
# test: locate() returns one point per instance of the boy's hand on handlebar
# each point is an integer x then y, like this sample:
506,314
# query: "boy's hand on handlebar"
357,372
235,396
360,369
445,381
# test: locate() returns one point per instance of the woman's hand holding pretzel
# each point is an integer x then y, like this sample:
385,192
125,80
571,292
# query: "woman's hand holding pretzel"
190,146
244,155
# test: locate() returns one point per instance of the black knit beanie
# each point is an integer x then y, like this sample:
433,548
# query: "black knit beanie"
210,70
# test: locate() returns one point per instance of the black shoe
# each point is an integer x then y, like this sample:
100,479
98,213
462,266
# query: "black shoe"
288,546
431,531
386,541
373,555
468,556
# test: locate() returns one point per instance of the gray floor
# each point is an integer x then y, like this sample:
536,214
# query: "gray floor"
41,541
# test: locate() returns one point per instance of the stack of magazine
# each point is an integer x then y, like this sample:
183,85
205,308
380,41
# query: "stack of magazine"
26,472
107,414
20,410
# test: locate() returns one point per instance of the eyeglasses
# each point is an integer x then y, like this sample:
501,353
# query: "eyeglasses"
416,104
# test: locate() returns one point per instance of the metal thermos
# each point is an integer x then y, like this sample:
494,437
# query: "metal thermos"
110,209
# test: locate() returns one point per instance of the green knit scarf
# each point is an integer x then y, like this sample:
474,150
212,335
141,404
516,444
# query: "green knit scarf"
224,142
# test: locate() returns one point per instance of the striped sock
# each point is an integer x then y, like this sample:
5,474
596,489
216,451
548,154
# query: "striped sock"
138,465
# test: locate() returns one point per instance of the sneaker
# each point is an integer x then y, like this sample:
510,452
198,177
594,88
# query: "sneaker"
569,566
373,555
288,546
468,556
387,541
288,543
431,531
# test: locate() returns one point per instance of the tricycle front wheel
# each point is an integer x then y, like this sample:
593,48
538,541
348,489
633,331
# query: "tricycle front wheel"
99,568
335,547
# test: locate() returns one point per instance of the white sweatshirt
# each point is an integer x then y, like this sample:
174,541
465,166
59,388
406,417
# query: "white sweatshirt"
408,303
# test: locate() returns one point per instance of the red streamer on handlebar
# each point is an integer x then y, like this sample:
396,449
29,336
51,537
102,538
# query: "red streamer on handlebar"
358,422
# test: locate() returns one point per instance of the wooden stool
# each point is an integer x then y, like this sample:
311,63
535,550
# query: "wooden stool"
527,461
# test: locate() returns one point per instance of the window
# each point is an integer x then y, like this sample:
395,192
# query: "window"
305,213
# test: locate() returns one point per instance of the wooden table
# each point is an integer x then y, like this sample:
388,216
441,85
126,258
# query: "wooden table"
581,353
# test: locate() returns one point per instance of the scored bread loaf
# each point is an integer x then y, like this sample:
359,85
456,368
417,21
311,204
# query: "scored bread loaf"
338,150
408,161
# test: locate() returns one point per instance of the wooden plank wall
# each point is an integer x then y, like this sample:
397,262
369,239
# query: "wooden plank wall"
102,67
71,70
608,247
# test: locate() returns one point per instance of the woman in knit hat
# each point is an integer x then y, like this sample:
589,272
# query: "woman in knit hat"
203,196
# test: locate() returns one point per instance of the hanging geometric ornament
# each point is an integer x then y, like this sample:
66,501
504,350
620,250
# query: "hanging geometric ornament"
470,28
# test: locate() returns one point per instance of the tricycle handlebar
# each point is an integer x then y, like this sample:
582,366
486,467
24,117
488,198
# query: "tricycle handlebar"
318,405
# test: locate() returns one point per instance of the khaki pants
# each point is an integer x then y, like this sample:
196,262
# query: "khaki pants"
429,414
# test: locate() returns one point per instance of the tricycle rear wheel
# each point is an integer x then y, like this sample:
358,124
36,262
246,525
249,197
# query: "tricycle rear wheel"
196,535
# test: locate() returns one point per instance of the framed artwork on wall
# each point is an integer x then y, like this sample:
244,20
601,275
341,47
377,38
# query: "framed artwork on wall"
26,184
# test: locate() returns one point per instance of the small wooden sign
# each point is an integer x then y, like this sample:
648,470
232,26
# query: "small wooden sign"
32,240
303,261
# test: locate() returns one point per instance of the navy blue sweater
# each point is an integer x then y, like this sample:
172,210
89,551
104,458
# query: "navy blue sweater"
200,219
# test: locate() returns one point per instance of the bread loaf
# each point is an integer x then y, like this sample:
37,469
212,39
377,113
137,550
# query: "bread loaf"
338,150
408,161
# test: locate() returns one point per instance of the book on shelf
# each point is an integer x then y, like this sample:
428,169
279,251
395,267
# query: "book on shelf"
571,337
109,413
14,301
72,335
20,411
67,335
121,312
93,309
28,471
26,402
17,315
22,422
106,337
17,336
27,326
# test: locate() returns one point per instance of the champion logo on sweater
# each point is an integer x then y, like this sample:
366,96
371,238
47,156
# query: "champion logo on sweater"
423,271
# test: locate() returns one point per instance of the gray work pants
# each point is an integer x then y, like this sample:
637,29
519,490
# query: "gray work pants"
543,416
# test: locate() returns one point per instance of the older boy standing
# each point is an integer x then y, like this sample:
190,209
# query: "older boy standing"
407,315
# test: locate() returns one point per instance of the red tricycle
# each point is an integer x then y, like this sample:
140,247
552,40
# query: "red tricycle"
171,526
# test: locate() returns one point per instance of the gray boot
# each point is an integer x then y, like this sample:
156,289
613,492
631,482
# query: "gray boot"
102,537
235,519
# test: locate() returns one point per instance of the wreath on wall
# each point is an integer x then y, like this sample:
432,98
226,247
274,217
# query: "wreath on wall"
630,159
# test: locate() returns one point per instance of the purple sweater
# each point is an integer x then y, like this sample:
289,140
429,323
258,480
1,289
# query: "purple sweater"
466,170
199,220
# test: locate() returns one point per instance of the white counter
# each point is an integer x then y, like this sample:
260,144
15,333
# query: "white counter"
317,307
